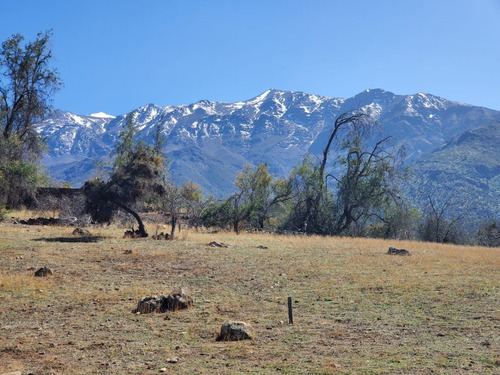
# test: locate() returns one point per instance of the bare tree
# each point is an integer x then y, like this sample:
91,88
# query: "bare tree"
442,222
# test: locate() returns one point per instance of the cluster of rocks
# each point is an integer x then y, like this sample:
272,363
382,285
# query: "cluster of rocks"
161,236
132,234
178,299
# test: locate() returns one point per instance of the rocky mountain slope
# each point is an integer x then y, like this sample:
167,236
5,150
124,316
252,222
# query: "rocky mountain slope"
209,142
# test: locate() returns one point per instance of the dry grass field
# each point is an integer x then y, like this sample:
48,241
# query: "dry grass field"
356,310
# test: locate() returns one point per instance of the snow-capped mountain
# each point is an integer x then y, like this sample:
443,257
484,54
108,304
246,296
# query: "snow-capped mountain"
209,142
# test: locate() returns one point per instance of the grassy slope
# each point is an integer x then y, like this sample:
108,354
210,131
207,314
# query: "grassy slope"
356,310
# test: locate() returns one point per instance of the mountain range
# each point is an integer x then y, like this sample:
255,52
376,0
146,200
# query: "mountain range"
448,144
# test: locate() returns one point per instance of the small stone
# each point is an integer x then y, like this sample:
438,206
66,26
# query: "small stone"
172,360
163,369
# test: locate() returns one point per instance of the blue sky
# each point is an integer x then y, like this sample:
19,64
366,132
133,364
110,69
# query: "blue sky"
117,55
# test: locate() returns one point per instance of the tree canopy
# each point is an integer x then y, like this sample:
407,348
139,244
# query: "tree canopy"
137,172
27,84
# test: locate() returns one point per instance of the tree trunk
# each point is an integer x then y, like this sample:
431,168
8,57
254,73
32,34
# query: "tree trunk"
174,223
142,229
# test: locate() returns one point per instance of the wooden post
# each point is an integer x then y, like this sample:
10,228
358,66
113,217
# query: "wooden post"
290,313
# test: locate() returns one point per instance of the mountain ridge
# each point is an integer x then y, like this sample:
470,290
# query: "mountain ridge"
209,142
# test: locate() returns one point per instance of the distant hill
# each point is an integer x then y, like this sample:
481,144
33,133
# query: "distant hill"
209,142
464,171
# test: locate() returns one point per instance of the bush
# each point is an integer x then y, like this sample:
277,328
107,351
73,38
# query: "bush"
488,234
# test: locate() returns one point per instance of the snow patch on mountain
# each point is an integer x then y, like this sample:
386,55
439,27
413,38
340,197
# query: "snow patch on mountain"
102,115
278,127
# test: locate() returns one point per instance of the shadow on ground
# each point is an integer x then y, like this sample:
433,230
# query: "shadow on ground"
71,239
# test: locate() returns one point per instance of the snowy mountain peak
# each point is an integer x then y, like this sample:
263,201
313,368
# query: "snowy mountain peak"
102,115
209,141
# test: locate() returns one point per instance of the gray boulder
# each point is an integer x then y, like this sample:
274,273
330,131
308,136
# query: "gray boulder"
235,331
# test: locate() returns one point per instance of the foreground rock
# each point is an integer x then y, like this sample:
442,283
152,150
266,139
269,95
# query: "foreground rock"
235,331
395,251
43,272
176,300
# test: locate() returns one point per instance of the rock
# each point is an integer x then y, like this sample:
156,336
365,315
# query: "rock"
262,247
395,251
128,251
235,331
172,360
42,272
12,373
151,304
132,234
81,232
163,369
217,244
161,236
176,300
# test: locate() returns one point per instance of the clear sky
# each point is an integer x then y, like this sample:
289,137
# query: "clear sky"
117,55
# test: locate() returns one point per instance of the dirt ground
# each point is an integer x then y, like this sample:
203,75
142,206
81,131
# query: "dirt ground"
356,309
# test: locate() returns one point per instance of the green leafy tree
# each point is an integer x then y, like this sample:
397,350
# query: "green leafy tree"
27,84
259,194
194,203
137,172
217,214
